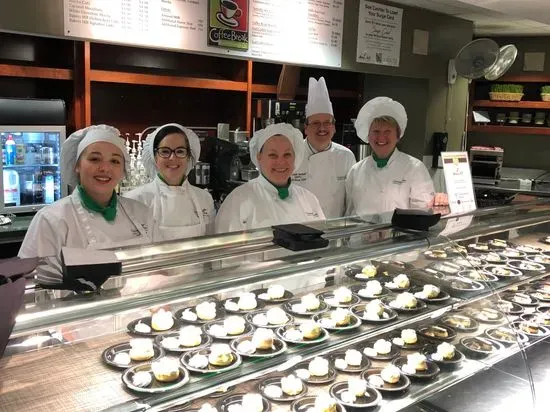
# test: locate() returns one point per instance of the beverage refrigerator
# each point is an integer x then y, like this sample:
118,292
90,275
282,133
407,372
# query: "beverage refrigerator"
30,175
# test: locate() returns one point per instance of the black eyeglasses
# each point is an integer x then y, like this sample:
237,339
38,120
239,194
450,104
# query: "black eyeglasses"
166,152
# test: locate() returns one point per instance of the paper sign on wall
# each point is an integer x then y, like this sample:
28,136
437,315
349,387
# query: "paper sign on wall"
458,179
379,34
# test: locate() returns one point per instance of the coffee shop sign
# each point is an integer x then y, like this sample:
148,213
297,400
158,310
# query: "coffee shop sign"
381,12
217,34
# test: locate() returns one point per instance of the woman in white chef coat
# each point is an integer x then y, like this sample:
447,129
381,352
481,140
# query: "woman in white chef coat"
94,161
180,209
387,179
271,198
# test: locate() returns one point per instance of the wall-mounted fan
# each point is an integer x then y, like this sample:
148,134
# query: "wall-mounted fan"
482,57
477,59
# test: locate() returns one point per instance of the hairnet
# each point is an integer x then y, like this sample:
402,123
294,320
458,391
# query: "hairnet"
294,135
148,154
318,100
378,107
77,142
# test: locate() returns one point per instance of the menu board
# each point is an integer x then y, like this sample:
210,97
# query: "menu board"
292,31
379,34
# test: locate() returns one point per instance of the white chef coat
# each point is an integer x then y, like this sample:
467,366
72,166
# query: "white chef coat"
324,174
403,183
256,204
67,223
179,211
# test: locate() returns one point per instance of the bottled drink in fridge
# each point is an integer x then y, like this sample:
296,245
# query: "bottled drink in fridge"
49,189
37,189
10,151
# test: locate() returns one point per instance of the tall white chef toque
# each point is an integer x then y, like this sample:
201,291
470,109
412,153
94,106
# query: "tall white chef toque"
318,100
263,135
78,141
378,107
148,154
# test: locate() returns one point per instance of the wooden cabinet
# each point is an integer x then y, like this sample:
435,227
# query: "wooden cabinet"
132,88
503,113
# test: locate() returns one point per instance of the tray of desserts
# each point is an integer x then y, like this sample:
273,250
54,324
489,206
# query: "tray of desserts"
447,267
306,333
404,302
203,312
399,283
215,359
407,339
188,338
470,262
271,318
160,322
342,297
282,388
438,332
381,350
373,289
243,402
244,303
261,344
445,355
460,322
339,319
522,299
478,275
506,335
159,376
436,254
349,361
274,294
387,380
526,267
529,328
318,371
416,366
128,354
355,393
430,294
363,273
307,305
228,329
322,402
480,347
374,312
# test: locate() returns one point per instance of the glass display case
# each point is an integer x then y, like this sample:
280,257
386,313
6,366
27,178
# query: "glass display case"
457,310
30,171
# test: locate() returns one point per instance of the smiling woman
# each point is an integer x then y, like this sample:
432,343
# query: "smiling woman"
94,161
271,198
180,209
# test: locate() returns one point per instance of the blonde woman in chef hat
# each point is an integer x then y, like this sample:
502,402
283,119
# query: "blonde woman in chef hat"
271,198
387,179
180,209
93,161
326,163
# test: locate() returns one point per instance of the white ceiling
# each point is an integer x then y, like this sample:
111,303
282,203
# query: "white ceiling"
494,17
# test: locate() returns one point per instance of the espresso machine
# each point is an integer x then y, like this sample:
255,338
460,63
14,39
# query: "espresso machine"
270,111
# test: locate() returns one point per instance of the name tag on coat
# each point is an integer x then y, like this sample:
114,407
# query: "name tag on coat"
399,182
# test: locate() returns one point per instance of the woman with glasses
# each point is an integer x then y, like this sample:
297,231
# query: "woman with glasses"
271,198
180,209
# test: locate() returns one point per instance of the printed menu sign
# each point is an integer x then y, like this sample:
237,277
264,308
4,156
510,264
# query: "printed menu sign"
293,31
458,179
379,34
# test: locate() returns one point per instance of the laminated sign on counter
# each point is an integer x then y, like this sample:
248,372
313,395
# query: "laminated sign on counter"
228,24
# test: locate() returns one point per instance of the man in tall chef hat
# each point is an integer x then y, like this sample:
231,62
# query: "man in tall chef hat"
387,179
326,163
94,161
271,198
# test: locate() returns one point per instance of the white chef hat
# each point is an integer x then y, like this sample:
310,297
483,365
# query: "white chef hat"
294,135
318,100
154,138
77,142
378,107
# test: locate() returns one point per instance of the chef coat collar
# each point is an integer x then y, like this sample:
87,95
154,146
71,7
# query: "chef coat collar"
391,159
282,192
167,184
162,183
313,151
108,212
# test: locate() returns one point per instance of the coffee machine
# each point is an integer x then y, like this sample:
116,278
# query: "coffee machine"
270,111
486,164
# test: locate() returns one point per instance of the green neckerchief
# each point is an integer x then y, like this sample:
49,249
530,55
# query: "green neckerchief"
108,212
380,163
168,184
281,190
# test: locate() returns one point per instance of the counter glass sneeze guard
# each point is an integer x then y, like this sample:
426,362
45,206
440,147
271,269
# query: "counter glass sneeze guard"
343,251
